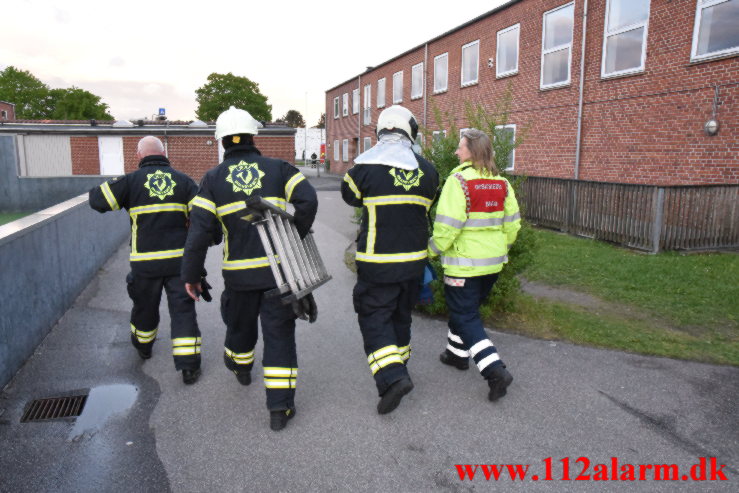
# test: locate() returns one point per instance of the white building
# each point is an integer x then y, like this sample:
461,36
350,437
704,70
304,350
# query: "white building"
311,142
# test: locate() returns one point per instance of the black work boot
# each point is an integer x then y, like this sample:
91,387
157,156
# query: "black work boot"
244,377
144,350
190,376
451,359
278,419
392,396
498,381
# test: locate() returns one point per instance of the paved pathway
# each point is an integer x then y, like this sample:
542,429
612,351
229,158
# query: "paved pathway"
566,401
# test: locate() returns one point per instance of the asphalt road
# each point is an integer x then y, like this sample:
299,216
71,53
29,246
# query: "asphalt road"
160,435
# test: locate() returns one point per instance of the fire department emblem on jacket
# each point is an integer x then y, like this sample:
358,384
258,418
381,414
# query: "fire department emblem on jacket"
160,184
406,178
245,177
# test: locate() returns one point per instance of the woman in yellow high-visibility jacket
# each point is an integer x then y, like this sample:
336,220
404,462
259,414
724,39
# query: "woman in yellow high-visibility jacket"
477,220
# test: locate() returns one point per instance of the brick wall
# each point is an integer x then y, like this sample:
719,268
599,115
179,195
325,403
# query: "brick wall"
9,110
190,154
85,155
643,128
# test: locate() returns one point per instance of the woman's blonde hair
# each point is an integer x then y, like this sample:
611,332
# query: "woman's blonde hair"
481,151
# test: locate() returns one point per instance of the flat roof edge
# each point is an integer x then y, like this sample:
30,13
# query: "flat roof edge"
451,31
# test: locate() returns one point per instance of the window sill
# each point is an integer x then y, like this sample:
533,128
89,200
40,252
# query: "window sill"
417,97
398,102
470,84
509,74
708,59
558,86
440,91
621,75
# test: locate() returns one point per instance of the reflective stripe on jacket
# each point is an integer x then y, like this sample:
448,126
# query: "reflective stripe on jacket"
477,243
158,199
221,205
393,233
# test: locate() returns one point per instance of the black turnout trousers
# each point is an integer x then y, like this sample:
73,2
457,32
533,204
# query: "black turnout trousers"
146,294
384,314
240,311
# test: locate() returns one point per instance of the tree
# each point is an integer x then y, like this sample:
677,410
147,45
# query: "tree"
222,91
31,96
294,119
322,121
77,104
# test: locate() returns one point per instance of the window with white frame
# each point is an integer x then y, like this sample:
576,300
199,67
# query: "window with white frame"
437,135
625,37
506,55
470,63
336,150
355,101
398,87
345,150
381,93
417,81
441,73
367,104
556,46
715,33
345,104
336,107
507,133
367,143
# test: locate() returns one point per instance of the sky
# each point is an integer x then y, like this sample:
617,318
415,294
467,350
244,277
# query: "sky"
139,56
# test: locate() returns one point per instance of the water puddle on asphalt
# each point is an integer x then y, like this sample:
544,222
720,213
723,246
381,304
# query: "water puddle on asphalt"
102,403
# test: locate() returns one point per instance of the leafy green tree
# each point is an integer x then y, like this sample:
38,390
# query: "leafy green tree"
225,90
31,96
294,119
77,104
322,121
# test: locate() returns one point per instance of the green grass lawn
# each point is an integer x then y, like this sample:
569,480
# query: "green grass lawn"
681,306
6,217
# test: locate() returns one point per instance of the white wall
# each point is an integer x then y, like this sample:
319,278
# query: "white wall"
315,137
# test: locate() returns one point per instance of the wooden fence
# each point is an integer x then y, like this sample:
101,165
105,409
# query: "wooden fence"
645,217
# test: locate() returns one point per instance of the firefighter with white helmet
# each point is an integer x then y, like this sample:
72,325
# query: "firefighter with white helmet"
221,203
395,188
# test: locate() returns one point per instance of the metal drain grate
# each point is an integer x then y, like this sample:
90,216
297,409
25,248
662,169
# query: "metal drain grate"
54,408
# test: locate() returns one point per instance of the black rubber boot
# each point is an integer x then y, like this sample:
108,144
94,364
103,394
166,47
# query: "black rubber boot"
392,396
498,381
189,377
144,350
278,419
448,358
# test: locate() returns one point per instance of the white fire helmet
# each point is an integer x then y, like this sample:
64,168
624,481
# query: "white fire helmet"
234,121
399,118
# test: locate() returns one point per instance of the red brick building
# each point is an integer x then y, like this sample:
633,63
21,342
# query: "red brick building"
627,92
7,111
81,148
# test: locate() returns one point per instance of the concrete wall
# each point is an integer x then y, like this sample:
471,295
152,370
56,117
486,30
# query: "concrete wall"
46,259
28,194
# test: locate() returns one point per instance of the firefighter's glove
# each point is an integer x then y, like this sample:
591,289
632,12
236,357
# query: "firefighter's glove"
205,290
309,304
305,308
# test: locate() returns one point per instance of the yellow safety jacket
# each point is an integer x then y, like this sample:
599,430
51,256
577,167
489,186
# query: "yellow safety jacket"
474,229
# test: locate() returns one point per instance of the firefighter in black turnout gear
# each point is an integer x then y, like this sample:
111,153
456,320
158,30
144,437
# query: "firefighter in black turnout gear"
221,203
157,198
395,188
